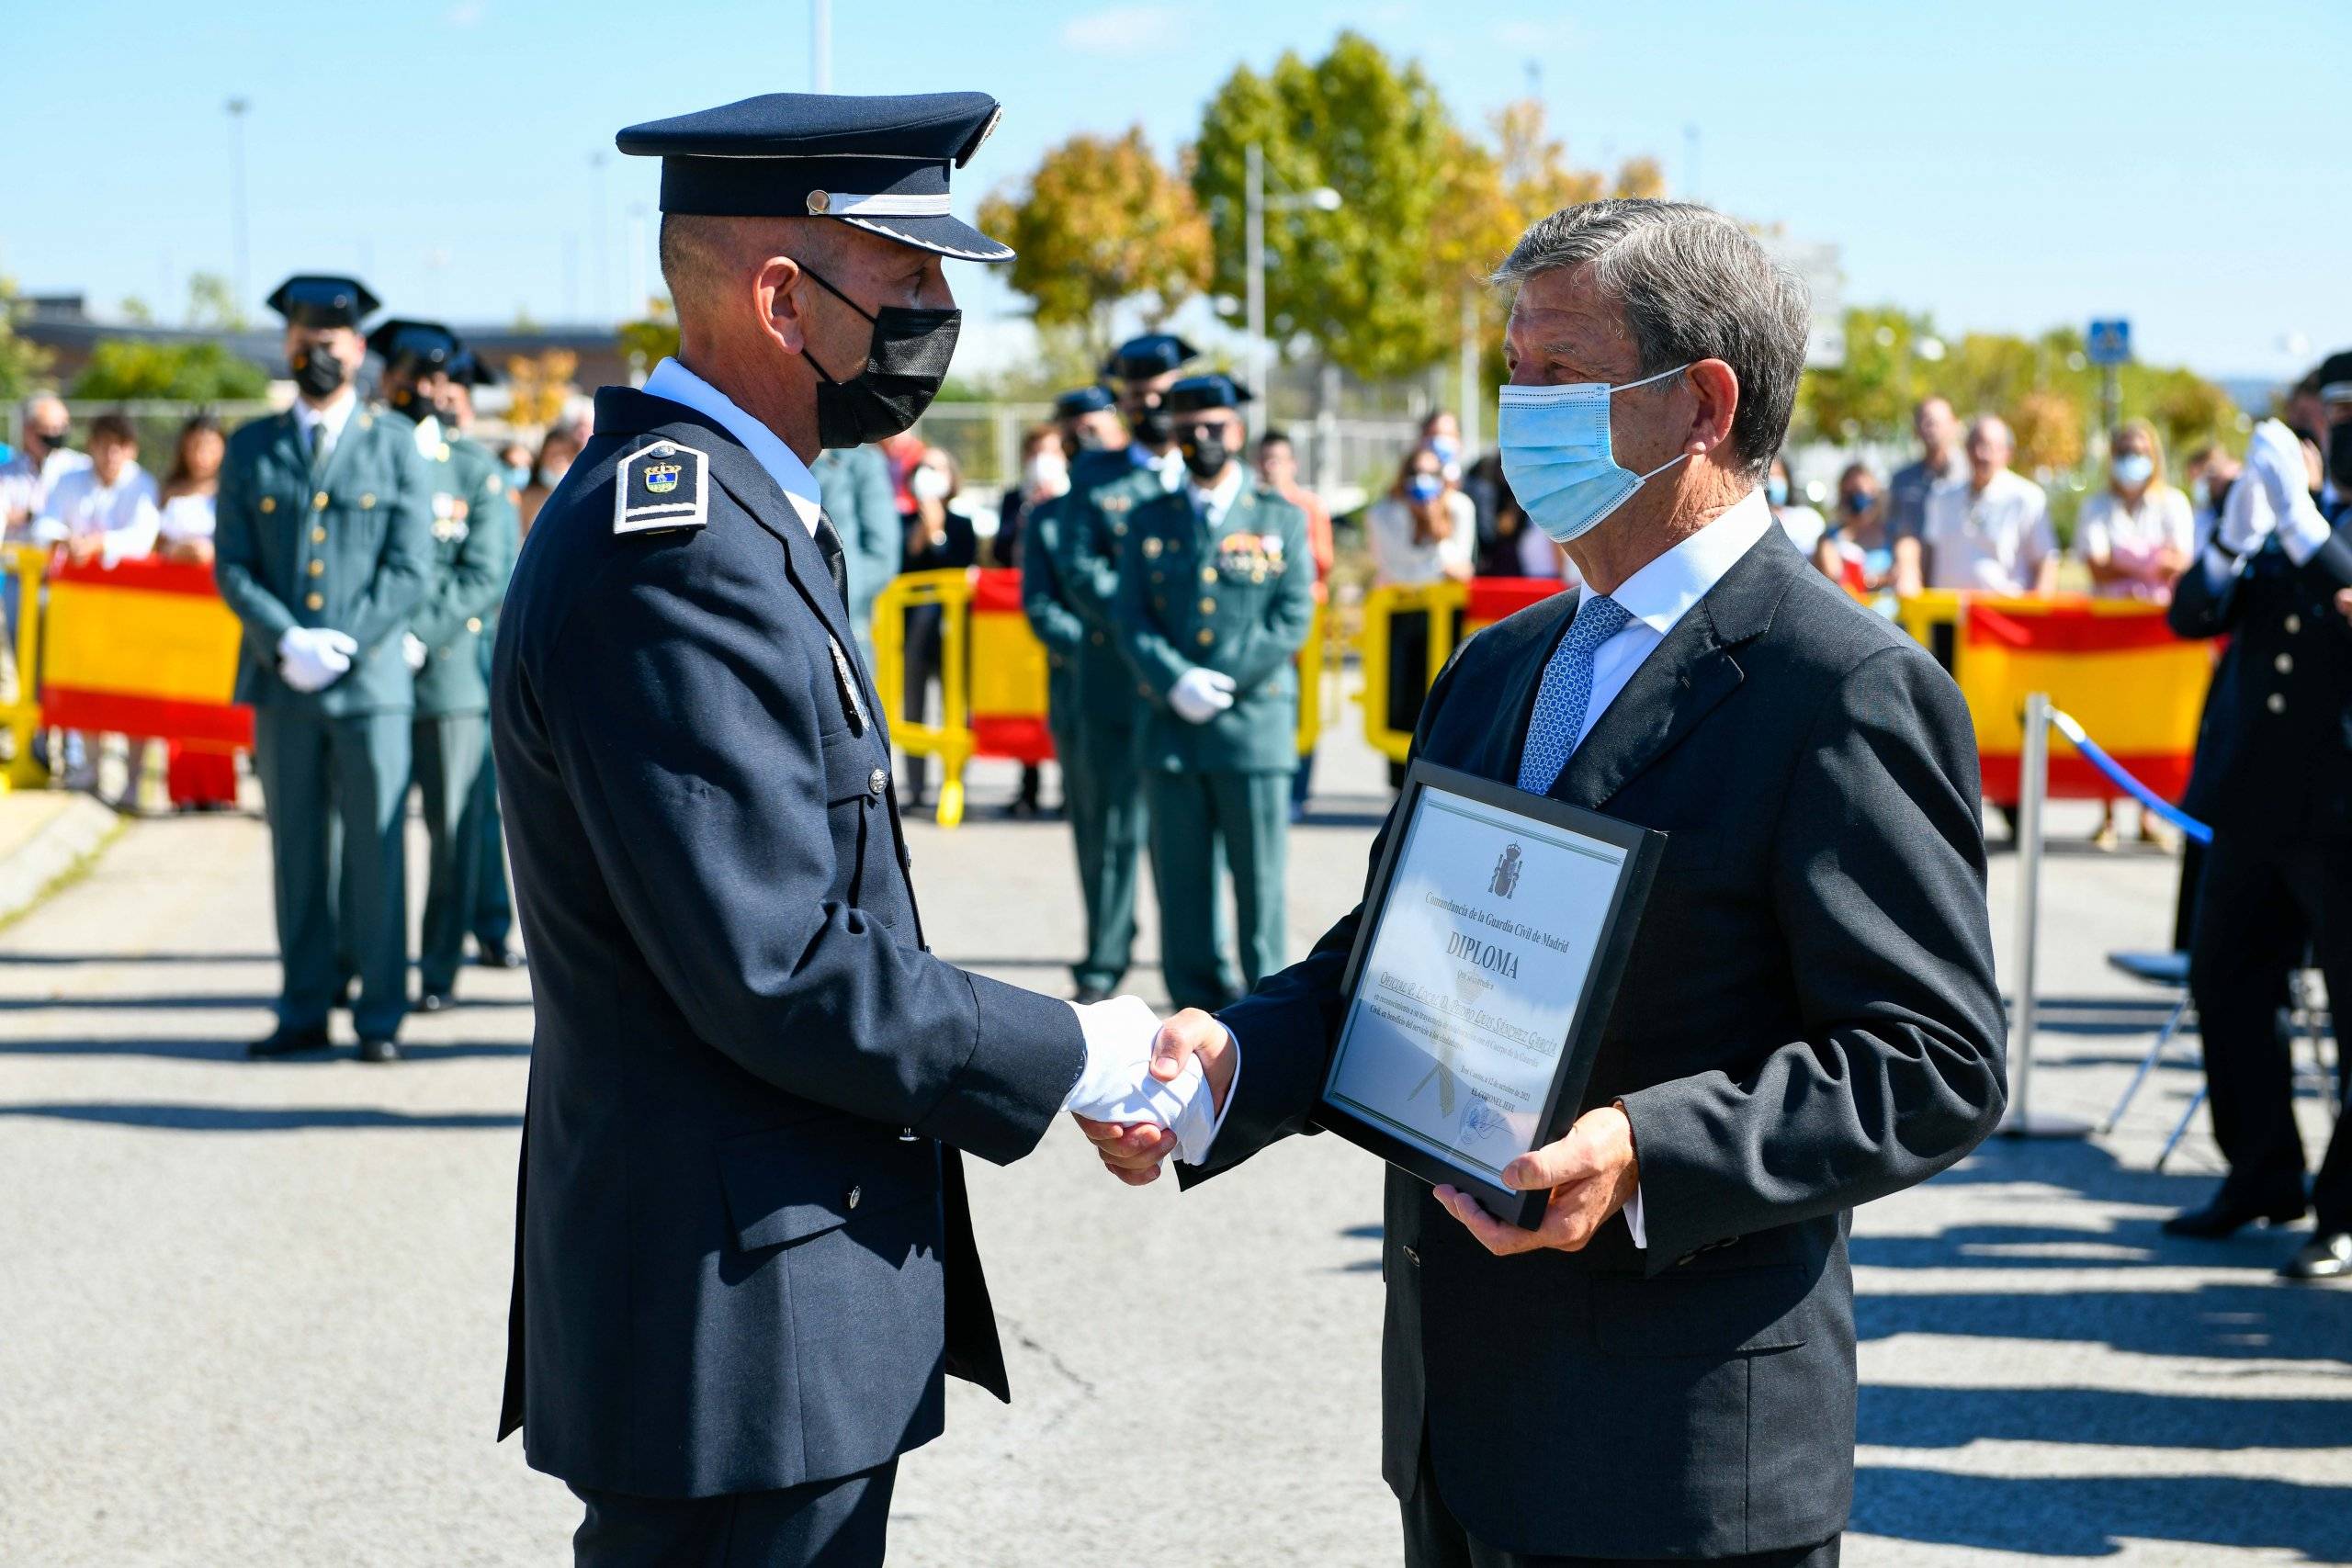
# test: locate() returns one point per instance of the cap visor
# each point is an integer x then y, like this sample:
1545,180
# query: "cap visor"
946,235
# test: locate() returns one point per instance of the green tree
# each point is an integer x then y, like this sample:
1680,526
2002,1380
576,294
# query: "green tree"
213,305
188,372
647,342
21,363
1357,282
1102,222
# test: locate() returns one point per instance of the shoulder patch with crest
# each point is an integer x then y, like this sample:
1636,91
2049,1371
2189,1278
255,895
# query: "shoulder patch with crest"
659,487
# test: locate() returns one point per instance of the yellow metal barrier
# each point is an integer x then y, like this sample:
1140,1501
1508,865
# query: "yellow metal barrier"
25,565
949,741
1440,602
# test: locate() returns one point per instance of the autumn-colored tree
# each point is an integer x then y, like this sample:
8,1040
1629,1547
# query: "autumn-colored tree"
538,384
1102,222
2049,429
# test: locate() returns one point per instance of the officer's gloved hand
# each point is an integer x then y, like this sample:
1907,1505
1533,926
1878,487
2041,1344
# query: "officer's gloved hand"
1200,694
1116,1085
2276,464
310,659
412,648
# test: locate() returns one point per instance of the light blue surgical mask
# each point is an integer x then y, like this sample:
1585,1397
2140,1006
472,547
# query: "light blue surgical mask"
1424,488
2133,469
1557,454
1776,490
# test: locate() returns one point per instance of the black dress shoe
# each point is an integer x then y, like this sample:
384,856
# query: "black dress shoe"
2228,1214
379,1051
498,957
2327,1256
288,1042
435,1001
1089,995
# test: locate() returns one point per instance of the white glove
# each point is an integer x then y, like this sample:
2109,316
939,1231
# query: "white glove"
2274,461
412,648
1200,694
312,658
1116,1085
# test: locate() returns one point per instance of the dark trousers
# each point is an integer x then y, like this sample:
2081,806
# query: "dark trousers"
334,789
2257,905
826,1524
1102,795
493,916
925,648
450,750
1198,821
1435,1539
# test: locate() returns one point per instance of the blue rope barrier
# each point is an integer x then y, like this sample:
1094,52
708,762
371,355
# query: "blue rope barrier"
2064,724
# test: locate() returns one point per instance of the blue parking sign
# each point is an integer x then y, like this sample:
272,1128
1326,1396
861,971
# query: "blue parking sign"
2109,342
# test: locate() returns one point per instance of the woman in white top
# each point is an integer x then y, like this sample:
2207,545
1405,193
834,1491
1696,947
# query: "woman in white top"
2136,535
1425,529
185,533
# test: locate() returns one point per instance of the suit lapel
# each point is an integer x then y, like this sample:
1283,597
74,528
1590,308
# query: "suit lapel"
1683,678
741,474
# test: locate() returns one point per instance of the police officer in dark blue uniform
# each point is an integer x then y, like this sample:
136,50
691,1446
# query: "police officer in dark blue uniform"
2274,777
744,1258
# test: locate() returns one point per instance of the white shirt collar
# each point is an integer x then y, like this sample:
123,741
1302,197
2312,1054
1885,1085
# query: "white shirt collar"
1217,500
1662,592
335,416
679,385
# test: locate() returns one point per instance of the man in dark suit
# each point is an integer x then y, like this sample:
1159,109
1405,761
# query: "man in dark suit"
2274,778
1665,1366
743,1254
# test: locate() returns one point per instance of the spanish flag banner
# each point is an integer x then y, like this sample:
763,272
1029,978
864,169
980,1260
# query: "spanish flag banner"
143,648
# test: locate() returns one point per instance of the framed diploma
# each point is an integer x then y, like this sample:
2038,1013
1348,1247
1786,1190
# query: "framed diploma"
1497,928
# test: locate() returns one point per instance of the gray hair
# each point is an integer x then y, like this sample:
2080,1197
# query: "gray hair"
1693,285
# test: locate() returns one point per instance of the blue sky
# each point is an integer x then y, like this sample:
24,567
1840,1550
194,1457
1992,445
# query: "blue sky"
2007,165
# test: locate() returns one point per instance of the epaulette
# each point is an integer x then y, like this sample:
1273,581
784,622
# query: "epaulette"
661,486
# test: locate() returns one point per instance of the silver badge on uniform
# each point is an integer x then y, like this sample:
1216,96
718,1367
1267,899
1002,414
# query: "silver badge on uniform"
661,486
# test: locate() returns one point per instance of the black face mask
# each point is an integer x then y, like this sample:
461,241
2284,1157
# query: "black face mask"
61,442
317,374
1153,426
1206,454
2339,456
904,365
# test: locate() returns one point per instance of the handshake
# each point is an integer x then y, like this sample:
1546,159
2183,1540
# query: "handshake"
1149,1089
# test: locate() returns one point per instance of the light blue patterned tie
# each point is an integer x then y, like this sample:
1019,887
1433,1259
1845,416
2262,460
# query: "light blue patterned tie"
1558,722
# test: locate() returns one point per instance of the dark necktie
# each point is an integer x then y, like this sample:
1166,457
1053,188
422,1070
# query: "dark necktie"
829,544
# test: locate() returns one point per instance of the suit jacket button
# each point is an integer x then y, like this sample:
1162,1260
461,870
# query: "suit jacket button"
318,535
2294,625
2277,703
2284,663
1411,1256
1098,640
269,503
906,1135
1206,636
878,780
318,567
852,1200
320,501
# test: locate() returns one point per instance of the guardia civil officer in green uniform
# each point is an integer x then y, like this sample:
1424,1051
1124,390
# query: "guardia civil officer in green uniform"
1216,589
323,549
1109,820
426,371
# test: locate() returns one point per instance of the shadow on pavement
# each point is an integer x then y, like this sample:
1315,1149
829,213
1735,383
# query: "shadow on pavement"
1919,1418
262,1118
2082,1517
2269,1321
234,1050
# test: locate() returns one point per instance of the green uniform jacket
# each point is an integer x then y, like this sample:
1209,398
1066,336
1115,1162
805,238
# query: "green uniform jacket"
350,548
474,538
854,487
1239,600
1106,489
1046,604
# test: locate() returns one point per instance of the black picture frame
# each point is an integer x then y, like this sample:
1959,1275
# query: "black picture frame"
1613,944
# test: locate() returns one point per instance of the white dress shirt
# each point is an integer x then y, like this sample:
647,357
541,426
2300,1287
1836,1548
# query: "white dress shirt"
188,517
123,513
1993,539
674,381
333,418
1168,465
1212,502
1398,558
24,485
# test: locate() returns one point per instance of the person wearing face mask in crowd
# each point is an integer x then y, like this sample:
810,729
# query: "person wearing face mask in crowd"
1108,805
101,514
939,537
1045,478
2136,536
558,448
1441,433
426,370
1216,590
2274,779
1851,550
1424,530
324,547
2211,470
1801,523
27,477
1278,469
751,1082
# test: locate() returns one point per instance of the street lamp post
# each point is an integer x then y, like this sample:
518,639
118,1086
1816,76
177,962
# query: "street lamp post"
820,46
237,107
1256,204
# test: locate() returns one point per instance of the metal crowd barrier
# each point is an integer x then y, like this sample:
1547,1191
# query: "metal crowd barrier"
992,675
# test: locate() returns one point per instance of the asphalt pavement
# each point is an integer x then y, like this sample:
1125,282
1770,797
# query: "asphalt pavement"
256,1314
